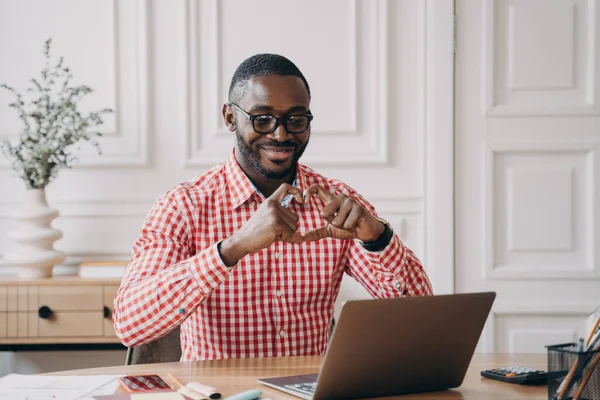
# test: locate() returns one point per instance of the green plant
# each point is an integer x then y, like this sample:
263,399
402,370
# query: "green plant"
52,125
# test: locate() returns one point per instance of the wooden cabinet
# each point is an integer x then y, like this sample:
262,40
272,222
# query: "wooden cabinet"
66,310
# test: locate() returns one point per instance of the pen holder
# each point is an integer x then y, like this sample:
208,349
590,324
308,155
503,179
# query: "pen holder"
581,369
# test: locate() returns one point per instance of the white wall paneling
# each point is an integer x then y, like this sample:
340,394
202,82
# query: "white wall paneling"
439,145
350,94
108,53
518,328
526,167
549,70
540,210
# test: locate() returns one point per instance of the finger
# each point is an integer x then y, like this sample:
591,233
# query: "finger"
283,231
318,190
289,218
351,222
331,209
291,236
295,238
285,189
287,212
315,234
339,217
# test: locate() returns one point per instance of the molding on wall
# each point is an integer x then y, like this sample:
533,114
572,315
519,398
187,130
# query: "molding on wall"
354,24
135,137
587,106
588,270
488,340
438,236
507,308
375,150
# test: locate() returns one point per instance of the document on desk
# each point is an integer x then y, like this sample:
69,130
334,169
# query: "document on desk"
23,387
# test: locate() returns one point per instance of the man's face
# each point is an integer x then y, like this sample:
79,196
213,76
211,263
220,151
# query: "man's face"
273,155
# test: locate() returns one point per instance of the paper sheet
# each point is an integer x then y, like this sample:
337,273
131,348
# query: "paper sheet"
36,387
109,388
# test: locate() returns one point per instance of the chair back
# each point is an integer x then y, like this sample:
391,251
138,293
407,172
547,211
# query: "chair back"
164,349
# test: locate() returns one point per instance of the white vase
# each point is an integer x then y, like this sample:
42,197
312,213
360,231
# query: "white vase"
34,255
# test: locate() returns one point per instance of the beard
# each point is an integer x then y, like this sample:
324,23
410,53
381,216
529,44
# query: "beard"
252,156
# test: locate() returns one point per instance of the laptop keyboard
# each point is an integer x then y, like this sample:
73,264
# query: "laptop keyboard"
306,388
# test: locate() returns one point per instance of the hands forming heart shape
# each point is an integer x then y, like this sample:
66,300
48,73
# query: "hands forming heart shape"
344,219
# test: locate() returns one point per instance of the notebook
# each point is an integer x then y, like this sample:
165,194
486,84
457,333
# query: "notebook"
387,347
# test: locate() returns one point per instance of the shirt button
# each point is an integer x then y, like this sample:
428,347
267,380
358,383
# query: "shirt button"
278,293
276,255
282,333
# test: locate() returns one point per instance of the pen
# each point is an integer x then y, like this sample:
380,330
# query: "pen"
184,390
207,391
247,395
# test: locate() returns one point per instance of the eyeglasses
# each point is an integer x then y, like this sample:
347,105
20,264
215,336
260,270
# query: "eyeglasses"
265,123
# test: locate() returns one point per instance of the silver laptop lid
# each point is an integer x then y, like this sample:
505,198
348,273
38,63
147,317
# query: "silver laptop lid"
405,345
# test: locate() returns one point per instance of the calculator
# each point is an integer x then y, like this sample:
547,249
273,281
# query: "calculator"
517,374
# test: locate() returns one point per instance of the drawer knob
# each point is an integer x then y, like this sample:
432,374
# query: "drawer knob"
45,312
106,312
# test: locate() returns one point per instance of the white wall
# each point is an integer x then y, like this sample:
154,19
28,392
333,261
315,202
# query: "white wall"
165,67
527,170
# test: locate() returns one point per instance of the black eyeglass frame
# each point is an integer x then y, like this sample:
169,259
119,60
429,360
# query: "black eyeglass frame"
284,120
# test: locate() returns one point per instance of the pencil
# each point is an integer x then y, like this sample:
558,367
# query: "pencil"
591,335
587,376
567,381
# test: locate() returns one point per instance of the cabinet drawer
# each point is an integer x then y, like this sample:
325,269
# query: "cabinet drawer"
72,324
71,298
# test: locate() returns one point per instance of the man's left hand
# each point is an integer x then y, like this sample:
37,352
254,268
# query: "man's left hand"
346,219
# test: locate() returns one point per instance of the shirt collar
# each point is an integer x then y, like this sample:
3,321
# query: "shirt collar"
242,188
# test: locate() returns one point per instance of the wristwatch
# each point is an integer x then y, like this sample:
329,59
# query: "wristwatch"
383,240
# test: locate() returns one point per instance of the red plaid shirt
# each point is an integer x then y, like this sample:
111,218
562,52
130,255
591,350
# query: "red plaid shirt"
277,302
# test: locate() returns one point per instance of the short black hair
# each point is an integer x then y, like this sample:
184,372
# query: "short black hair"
261,65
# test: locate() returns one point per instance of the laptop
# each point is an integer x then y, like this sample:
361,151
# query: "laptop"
386,347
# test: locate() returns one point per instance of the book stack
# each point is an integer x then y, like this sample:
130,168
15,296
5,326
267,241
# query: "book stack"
102,269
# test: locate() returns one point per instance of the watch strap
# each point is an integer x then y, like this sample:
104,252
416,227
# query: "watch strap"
382,241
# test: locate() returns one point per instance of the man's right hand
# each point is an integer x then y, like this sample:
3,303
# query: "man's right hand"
270,223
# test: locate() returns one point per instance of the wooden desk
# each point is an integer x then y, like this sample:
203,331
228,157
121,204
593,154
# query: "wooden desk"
233,376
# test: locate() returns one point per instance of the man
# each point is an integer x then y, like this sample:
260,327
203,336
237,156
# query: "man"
249,257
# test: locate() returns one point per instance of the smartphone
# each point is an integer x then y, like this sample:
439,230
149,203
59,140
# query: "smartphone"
141,383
